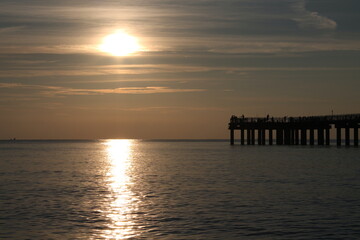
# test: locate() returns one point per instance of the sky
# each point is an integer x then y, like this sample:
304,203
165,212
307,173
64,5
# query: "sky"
200,62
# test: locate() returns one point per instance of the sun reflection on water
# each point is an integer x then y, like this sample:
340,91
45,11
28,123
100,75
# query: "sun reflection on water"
123,201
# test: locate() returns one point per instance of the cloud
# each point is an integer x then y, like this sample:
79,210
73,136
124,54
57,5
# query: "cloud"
311,20
5,30
167,109
180,27
31,69
64,91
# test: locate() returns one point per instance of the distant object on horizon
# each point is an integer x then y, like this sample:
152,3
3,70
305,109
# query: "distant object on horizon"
288,128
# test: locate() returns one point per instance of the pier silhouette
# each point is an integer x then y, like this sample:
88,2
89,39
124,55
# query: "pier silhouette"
295,130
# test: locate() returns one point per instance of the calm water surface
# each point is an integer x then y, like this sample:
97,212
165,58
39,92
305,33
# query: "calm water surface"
133,189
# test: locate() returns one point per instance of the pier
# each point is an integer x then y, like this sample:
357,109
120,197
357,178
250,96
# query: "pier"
296,130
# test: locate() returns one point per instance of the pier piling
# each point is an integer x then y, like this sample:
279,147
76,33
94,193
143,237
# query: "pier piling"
338,136
327,136
296,136
253,136
320,136
312,136
347,136
248,139
232,134
259,136
303,136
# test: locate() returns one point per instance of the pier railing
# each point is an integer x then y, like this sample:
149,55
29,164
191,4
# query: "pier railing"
322,118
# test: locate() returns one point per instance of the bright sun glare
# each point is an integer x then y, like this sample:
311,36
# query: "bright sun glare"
119,44
123,202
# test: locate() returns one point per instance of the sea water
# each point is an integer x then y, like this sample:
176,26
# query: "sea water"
136,189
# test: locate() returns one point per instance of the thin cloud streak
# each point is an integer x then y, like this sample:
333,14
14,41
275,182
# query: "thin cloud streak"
145,69
7,30
64,91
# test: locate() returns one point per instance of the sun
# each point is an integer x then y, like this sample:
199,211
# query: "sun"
120,44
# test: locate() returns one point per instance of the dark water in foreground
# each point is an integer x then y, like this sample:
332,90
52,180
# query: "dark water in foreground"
131,189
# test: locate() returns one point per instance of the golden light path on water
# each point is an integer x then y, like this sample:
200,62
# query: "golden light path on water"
123,201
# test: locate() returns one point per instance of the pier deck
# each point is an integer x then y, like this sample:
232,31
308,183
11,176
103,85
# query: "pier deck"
295,130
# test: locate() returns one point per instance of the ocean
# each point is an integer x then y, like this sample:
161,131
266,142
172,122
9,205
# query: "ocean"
143,189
